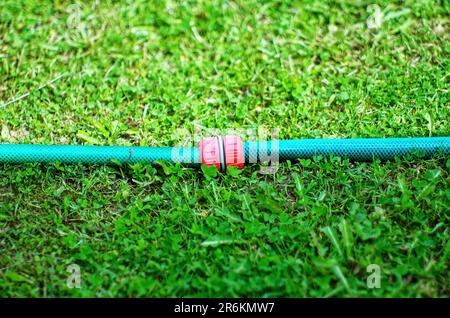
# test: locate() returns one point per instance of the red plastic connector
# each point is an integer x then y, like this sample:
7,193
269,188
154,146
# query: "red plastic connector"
222,152
209,152
234,151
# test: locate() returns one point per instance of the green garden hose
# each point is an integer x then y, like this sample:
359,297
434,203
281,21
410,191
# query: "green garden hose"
20,153
355,149
228,150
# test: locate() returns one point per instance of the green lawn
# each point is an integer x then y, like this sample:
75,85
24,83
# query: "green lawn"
135,72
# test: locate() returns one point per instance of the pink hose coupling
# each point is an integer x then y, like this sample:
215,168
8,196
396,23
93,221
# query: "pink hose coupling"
222,152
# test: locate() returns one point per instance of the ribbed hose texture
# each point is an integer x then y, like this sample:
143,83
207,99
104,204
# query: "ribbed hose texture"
355,149
18,153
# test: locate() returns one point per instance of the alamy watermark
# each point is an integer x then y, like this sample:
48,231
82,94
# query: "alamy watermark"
73,16
74,279
374,279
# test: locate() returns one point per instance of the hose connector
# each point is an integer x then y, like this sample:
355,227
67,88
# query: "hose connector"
222,152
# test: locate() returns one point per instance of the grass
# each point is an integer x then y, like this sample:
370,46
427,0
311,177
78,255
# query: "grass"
136,72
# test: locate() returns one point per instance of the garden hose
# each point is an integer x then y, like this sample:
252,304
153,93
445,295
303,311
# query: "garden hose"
224,151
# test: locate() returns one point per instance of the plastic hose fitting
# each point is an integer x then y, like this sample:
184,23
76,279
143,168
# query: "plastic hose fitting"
222,152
